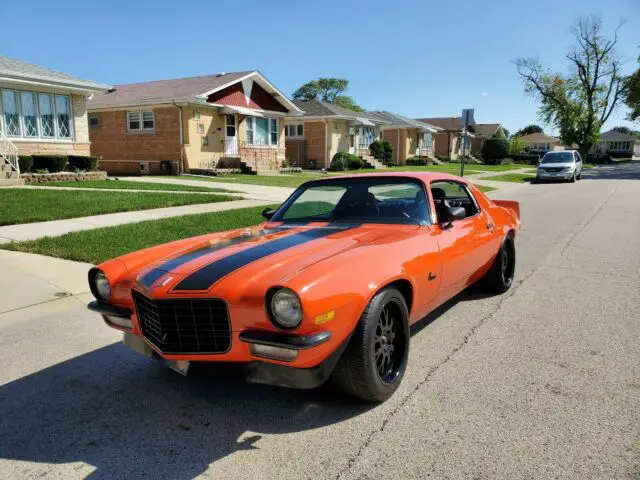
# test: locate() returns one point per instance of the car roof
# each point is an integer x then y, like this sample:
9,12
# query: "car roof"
426,177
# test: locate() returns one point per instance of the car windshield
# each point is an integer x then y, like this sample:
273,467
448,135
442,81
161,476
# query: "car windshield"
557,157
370,200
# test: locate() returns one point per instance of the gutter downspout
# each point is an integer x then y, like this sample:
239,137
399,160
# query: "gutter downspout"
181,168
326,143
398,149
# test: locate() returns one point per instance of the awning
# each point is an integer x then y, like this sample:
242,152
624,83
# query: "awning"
362,121
242,111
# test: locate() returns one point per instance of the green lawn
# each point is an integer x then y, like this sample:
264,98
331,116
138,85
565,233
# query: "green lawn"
20,205
96,246
128,185
512,177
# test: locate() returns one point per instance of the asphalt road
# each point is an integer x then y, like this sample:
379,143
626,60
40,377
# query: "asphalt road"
542,382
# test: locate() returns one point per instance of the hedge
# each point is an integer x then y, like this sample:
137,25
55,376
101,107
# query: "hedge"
526,158
83,162
416,161
25,162
387,152
377,150
494,150
53,163
345,161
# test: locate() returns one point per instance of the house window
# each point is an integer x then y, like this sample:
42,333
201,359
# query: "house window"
140,121
262,131
29,114
294,130
94,120
427,140
205,141
200,128
196,115
367,136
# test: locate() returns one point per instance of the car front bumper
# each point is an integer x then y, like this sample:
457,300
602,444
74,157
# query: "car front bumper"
543,175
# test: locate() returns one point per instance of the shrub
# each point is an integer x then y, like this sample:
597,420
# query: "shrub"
443,158
387,152
516,146
476,154
526,158
377,150
416,161
52,163
25,162
345,161
494,150
83,162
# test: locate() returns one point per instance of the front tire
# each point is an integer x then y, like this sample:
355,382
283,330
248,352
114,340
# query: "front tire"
499,278
374,362
573,178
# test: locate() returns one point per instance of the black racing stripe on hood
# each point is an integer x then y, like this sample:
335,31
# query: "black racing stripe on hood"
152,275
208,275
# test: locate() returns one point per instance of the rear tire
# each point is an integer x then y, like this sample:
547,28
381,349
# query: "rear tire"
573,179
373,364
499,278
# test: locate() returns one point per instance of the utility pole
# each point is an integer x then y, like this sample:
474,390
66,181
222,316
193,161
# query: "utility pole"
467,119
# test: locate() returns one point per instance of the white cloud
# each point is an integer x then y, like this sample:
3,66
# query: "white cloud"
485,94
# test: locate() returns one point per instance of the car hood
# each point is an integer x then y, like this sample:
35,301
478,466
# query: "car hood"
267,253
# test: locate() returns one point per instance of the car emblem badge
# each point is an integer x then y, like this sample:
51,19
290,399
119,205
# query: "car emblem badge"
165,281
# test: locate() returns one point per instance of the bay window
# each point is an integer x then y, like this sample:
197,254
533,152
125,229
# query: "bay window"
31,115
262,131
367,135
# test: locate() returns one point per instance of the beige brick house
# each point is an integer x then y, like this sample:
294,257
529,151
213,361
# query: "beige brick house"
42,110
326,129
191,124
409,138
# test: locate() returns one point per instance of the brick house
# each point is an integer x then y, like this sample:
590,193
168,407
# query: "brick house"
409,138
191,124
618,144
326,129
541,143
448,141
42,111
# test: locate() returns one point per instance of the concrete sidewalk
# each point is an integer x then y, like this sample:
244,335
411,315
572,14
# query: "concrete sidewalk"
130,190
257,192
54,228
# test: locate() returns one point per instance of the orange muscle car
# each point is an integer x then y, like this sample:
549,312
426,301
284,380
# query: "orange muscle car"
326,288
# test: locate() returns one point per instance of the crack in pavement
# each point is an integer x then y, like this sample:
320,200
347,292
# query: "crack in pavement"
465,340
69,295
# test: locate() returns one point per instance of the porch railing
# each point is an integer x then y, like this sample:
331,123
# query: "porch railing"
232,154
9,152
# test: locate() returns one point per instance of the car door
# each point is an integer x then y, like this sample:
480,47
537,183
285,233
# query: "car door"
578,160
466,245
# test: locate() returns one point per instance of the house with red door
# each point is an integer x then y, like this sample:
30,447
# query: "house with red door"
226,120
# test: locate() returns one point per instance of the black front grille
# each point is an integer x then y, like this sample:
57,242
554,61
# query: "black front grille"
554,170
184,326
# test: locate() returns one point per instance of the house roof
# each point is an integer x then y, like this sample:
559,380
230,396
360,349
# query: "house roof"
18,71
319,108
189,89
539,138
398,120
616,135
445,123
486,130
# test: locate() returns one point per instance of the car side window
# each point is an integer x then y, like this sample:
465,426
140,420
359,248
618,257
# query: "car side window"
452,194
578,158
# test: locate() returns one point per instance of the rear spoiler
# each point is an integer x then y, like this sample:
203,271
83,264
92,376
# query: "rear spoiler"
514,207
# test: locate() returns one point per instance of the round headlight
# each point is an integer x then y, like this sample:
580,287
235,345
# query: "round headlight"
286,308
102,287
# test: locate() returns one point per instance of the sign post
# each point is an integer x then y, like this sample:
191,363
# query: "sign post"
466,120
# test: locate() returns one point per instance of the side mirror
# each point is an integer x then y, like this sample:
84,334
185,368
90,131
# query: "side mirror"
454,213
268,213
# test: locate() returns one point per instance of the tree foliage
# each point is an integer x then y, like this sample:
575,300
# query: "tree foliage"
516,146
528,130
579,102
494,150
632,95
328,90
621,129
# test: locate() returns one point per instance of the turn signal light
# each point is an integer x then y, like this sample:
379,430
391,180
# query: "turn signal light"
118,322
274,353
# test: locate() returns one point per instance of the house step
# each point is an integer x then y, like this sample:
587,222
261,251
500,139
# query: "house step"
11,182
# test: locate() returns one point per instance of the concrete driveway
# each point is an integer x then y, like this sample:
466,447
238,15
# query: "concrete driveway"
542,382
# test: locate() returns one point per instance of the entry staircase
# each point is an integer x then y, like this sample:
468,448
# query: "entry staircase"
9,166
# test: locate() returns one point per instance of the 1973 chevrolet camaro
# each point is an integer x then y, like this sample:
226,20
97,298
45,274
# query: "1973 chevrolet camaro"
327,287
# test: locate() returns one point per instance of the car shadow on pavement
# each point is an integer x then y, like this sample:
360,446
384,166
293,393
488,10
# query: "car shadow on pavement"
132,417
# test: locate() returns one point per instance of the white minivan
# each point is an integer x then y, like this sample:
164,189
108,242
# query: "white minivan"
560,165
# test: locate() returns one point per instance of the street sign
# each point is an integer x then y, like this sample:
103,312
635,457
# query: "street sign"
467,118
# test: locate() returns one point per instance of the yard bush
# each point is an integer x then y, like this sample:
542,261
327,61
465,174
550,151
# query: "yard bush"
494,150
443,158
25,162
387,149
52,163
526,159
377,150
416,161
345,161
82,162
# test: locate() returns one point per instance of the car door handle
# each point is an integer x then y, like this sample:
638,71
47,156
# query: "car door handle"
489,226
431,276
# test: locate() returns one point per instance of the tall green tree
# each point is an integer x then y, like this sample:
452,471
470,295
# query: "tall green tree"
632,95
579,102
328,90
528,130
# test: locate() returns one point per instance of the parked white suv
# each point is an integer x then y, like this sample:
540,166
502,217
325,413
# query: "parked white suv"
560,165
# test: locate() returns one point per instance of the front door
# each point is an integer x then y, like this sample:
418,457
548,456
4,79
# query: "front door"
231,138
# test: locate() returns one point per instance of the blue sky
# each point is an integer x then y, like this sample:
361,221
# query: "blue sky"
416,57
